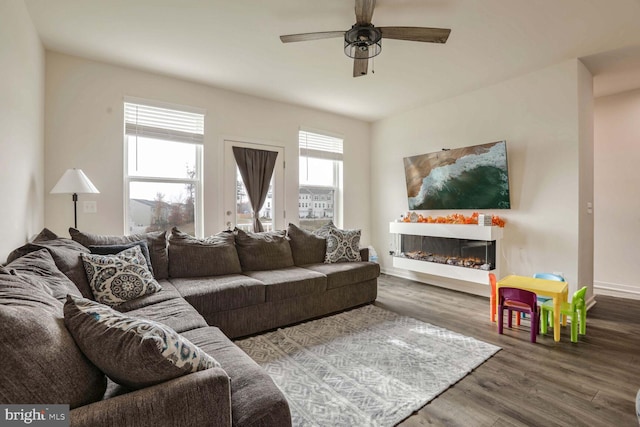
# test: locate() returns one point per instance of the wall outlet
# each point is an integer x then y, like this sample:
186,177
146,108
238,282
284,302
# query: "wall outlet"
90,206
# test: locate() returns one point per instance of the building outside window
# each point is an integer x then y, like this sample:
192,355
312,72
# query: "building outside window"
320,192
163,167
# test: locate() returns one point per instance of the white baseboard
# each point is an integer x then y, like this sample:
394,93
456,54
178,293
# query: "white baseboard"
616,290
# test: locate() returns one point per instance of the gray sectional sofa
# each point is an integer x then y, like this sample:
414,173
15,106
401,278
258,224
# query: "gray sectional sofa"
213,290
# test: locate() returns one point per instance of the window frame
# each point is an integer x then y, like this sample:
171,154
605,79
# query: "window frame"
197,181
338,167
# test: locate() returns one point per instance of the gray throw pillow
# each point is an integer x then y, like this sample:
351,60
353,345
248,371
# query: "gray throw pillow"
212,256
41,363
133,352
156,240
263,251
115,279
65,253
115,249
323,231
306,247
343,246
40,265
43,236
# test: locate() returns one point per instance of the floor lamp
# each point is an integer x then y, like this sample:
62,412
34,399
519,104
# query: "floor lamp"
74,181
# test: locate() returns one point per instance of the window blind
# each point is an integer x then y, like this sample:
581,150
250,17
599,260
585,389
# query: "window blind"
319,146
163,123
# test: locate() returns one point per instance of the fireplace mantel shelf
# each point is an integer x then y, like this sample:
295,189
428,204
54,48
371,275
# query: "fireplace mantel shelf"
454,231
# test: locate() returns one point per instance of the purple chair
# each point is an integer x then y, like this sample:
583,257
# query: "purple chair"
513,299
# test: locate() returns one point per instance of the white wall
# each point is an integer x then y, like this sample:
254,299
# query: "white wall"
84,129
585,175
538,115
21,127
617,209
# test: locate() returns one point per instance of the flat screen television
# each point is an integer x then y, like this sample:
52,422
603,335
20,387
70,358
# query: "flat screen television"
473,177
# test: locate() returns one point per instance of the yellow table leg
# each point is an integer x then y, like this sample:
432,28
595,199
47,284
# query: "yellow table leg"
556,318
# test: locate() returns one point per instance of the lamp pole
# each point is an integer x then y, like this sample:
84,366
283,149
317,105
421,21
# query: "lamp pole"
75,210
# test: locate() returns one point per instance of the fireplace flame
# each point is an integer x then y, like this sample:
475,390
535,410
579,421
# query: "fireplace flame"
469,262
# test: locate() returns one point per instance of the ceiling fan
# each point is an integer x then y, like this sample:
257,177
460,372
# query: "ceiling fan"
364,40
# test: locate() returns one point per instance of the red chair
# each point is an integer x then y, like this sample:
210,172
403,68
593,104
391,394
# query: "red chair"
492,299
519,300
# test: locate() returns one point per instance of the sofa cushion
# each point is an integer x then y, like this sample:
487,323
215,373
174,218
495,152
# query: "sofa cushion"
220,293
66,255
255,399
343,246
323,230
290,282
134,352
346,273
267,250
156,240
212,256
306,247
40,265
115,279
43,236
176,313
116,249
41,364
167,292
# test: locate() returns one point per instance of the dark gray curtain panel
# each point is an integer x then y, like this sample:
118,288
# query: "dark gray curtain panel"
256,169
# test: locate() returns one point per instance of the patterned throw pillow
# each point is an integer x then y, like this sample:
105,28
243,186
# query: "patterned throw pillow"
134,352
115,279
342,246
116,249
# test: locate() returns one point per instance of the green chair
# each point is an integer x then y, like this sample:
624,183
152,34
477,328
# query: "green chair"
576,310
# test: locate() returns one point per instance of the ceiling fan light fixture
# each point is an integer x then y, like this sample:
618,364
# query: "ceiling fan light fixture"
362,42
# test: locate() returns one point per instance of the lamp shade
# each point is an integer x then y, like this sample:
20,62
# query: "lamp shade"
74,181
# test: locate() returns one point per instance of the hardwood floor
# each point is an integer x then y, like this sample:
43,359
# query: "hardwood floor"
589,383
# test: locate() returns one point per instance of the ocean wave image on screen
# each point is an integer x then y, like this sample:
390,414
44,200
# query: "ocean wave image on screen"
474,181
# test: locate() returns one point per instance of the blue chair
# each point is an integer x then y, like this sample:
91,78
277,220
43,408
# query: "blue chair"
547,276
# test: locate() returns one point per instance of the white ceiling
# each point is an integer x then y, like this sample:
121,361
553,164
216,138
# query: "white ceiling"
234,44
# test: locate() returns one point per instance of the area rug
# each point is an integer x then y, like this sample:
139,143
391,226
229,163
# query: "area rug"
363,367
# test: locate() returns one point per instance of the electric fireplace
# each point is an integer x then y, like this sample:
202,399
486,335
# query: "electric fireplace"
457,251
466,253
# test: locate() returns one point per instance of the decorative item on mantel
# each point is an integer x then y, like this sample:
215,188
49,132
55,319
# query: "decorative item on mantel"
485,220
475,218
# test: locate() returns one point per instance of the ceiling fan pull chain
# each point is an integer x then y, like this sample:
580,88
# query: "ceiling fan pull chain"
373,65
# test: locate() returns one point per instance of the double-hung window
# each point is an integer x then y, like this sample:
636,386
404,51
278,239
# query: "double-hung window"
163,167
320,193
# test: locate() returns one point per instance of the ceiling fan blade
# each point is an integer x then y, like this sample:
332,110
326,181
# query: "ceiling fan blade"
360,63
416,34
364,11
311,36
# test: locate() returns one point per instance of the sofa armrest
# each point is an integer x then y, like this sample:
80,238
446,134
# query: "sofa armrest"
364,254
199,399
